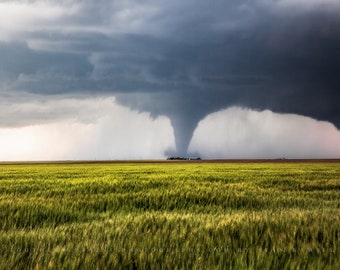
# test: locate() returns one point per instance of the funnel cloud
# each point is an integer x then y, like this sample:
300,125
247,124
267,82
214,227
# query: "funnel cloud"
181,60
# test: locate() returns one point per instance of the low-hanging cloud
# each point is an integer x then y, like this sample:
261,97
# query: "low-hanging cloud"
110,131
243,133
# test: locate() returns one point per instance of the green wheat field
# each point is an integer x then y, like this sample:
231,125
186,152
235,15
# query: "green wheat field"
170,216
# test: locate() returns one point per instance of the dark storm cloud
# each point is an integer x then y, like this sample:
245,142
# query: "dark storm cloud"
186,59
282,63
41,72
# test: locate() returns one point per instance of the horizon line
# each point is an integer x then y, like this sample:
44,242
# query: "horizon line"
217,160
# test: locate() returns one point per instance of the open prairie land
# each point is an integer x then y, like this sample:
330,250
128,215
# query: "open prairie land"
269,215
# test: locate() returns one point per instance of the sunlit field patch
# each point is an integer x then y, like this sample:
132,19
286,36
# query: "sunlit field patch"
171,215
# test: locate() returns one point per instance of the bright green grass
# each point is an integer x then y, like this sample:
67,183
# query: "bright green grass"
170,216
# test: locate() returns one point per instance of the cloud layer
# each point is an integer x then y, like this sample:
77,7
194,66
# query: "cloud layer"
243,133
110,131
182,59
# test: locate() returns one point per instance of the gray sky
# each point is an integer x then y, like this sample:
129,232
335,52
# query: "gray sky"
175,60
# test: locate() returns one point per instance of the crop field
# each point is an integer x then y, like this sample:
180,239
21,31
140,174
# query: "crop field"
170,216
